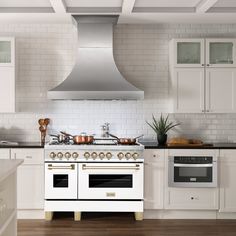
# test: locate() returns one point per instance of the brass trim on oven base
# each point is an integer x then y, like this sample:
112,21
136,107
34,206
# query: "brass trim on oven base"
138,216
77,216
48,215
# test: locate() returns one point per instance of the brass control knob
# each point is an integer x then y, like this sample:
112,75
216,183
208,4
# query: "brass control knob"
135,156
67,155
52,155
109,155
120,155
75,155
87,155
94,155
101,155
128,155
60,155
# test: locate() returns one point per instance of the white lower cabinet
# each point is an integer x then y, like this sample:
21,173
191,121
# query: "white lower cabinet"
153,178
227,180
4,153
30,178
192,198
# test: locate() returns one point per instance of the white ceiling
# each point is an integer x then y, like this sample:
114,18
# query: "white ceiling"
130,11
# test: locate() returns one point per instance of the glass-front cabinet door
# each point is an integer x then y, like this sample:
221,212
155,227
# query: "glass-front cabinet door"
7,51
220,53
189,52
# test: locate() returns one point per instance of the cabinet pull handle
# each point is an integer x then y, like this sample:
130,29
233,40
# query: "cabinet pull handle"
203,64
29,157
203,110
208,64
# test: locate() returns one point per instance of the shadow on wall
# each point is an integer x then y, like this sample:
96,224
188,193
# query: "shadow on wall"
12,134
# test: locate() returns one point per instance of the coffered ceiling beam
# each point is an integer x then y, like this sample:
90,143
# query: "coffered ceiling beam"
204,5
59,6
127,6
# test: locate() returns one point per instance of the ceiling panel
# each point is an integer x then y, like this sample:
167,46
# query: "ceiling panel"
166,3
25,3
225,3
93,3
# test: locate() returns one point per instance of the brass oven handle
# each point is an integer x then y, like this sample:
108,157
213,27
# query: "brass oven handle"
136,167
70,167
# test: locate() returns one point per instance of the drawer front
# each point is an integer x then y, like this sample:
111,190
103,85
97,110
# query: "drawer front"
5,153
191,198
227,155
153,155
30,156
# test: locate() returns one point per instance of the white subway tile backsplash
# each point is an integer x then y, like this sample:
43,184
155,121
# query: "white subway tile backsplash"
46,55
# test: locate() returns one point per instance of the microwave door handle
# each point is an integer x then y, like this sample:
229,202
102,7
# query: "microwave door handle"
193,165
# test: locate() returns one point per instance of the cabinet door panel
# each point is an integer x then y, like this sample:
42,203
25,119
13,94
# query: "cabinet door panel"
220,53
220,90
7,51
227,181
154,179
5,153
7,89
188,52
30,187
189,90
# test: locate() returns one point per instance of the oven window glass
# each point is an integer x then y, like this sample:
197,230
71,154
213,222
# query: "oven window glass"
60,181
110,181
193,174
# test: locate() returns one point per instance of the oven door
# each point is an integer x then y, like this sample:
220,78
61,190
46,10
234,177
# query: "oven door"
60,181
192,175
110,181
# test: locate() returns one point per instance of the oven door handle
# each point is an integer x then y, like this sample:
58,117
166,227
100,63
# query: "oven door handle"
193,165
104,167
70,167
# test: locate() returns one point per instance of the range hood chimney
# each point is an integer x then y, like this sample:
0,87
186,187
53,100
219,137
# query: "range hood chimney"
95,75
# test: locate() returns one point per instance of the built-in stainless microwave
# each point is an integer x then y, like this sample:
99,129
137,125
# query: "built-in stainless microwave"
192,171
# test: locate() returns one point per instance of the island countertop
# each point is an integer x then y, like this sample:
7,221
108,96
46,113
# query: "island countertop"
7,167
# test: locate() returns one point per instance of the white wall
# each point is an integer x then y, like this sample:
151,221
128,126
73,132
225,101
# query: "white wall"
46,53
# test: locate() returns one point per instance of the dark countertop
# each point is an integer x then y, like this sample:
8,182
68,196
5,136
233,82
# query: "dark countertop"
23,145
154,145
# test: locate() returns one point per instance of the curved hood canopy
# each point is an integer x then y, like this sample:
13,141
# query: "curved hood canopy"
95,75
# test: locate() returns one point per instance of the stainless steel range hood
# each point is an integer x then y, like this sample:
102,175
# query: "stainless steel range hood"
95,75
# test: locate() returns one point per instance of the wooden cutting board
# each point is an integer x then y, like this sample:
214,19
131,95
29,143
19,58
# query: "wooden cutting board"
185,145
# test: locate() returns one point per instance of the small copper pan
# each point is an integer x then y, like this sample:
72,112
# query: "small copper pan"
126,141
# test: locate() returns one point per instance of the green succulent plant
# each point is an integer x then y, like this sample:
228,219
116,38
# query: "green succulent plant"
162,125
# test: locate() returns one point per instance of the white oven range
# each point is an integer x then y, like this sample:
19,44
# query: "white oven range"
102,178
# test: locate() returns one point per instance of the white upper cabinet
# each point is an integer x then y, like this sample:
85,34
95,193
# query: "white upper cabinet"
7,75
189,52
7,51
206,81
220,53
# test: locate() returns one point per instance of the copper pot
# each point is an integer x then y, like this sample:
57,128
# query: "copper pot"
81,139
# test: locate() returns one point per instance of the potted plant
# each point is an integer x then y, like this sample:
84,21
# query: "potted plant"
161,127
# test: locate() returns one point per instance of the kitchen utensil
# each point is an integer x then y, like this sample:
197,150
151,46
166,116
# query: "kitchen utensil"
126,141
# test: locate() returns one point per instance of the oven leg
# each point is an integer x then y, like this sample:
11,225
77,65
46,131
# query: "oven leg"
77,216
138,215
48,215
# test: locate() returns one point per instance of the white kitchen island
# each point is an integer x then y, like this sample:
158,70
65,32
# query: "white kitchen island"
8,174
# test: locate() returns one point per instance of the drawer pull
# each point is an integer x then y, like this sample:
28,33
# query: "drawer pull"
29,157
111,194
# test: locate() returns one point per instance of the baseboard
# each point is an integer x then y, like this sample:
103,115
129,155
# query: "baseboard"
179,214
30,214
223,215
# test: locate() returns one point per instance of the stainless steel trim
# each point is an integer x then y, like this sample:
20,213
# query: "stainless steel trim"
70,167
193,165
107,167
212,184
95,75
